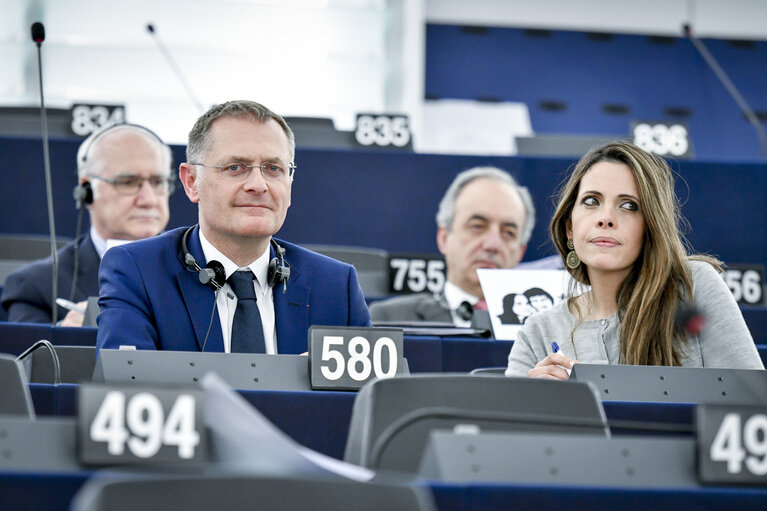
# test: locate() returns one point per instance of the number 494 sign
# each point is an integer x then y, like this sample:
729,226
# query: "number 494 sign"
732,444
130,425
344,358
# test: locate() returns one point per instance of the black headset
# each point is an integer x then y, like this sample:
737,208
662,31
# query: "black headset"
465,311
83,192
214,275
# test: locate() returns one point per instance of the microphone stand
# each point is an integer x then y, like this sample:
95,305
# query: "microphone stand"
176,69
38,36
731,89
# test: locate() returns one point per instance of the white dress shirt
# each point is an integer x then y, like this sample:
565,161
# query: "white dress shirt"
455,296
226,301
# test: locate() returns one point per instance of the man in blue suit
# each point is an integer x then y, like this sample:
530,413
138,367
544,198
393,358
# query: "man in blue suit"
125,179
181,290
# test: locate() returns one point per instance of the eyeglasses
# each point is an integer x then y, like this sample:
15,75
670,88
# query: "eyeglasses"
241,171
131,185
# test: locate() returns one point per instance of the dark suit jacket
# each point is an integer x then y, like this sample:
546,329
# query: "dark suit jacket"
418,307
27,291
150,299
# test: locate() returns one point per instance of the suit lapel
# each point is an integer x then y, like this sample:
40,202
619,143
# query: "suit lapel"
292,313
88,266
434,308
200,300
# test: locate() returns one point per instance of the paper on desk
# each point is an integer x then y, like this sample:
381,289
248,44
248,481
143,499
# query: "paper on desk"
242,435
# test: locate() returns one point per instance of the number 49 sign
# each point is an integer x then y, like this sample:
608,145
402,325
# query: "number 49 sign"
732,444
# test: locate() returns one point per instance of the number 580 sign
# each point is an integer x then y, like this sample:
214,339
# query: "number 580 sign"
346,358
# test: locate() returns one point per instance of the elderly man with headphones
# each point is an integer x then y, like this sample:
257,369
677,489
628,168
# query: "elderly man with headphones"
125,179
226,285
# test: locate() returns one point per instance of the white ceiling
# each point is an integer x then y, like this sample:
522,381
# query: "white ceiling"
328,58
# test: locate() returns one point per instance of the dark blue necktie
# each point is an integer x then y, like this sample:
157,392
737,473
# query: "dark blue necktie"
247,330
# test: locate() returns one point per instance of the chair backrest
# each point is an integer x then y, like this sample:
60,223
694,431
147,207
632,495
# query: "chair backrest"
372,265
76,364
242,492
27,247
392,418
488,371
15,398
16,250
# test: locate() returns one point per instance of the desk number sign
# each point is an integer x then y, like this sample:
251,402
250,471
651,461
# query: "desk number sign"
732,444
344,358
383,130
416,273
130,425
89,118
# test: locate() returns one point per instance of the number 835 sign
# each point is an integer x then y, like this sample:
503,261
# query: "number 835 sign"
346,358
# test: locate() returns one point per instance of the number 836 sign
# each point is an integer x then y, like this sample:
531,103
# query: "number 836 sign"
346,358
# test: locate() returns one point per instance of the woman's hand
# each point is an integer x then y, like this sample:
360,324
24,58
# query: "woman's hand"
554,367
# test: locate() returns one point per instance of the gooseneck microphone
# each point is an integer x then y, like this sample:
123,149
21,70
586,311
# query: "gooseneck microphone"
38,36
689,319
177,70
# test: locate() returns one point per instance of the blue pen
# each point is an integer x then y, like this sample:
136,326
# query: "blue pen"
555,349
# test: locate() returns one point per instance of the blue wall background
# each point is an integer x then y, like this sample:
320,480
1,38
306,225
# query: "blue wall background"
586,72
388,200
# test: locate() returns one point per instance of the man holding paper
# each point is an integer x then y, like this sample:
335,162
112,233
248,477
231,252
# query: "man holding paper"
484,220
124,180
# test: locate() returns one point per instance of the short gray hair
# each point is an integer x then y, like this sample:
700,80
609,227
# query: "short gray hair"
446,212
199,137
86,158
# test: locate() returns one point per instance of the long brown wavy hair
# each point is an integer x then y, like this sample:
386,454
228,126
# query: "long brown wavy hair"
660,278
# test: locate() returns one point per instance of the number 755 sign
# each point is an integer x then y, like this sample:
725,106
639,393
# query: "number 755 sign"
416,274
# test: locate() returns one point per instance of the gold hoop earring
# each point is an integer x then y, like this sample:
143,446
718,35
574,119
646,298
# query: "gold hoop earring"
572,260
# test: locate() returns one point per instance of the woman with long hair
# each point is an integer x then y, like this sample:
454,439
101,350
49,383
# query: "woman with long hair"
617,228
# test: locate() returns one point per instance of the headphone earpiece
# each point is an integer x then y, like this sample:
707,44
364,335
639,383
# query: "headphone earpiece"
278,271
214,274
465,311
83,194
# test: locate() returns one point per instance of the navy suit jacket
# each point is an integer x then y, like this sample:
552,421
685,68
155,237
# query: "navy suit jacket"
27,292
150,299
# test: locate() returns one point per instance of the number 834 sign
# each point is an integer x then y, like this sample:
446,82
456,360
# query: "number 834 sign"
345,358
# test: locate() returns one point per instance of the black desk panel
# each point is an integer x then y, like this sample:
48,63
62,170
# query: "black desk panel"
53,492
500,497
425,354
320,419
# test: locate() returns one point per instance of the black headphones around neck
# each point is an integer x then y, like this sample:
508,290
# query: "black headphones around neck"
214,275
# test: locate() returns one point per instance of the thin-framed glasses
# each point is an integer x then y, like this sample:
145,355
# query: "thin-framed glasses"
131,185
271,171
